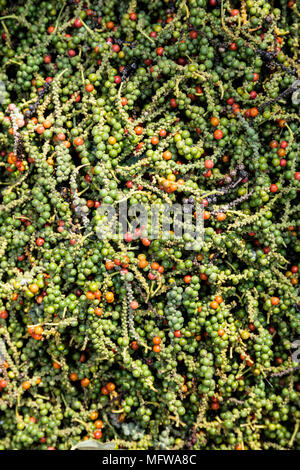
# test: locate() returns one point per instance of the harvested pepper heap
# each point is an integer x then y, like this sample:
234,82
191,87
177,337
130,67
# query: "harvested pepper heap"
140,341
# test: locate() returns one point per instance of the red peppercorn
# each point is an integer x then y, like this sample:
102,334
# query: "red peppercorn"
146,242
98,434
3,383
47,59
3,314
77,23
133,16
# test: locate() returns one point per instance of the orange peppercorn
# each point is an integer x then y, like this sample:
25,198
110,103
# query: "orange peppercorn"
47,124
143,263
38,330
155,266
221,216
214,305
138,130
157,340
26,385
154,140
167,155
275,301
109,265
110,386
98,311
214,121
89,87
98,424
90,295
78,141
218,134
85,382
253,112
